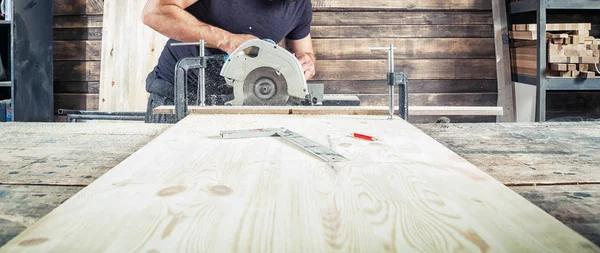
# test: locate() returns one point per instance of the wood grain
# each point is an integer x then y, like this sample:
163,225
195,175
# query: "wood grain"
442,48
574,205
76,101
88,21
77,50
415,86
77,7
192,191
76,71
77,34
67,154
401,18
527,154
401,5
129,53
22,206
403,31
76,87
415,69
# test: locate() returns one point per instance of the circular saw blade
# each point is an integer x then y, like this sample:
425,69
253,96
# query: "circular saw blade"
265,86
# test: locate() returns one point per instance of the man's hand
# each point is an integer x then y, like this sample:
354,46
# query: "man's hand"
303,50
236,40
308,64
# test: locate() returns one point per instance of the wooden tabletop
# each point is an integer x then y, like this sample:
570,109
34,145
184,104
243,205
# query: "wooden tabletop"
42,165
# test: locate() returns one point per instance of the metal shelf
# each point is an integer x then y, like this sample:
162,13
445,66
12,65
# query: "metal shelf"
563,84
5,84
532,5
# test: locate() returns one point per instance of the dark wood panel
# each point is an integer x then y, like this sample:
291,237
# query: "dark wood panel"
77,7
77,87
90,21
415,69
414,86
439,48
403,31
76,101
433,99
78,34
77,50
402,18
402,5
77,71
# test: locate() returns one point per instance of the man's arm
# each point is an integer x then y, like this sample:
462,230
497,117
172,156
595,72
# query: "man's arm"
303,49
169,18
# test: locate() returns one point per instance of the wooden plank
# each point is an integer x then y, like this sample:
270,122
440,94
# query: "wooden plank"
434,99
554,27
587,74
415,69
88,21
77,7
76,71
401,18
415,86
319,5
574,205
328,110
403,31
525,153
408,48
523,35
67,154
238,191
77,34
77,50
129,53
506,88
76,87
76,101
22,205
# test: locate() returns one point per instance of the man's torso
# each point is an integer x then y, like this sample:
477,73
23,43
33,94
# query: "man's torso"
256,17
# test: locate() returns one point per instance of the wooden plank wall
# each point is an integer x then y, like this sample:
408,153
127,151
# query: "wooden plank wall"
445,47
77,50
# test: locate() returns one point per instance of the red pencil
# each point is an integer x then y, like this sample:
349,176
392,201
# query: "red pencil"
364,137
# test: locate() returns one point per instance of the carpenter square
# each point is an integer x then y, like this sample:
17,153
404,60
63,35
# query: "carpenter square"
326,154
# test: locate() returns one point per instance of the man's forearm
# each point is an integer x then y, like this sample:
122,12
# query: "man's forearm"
176,23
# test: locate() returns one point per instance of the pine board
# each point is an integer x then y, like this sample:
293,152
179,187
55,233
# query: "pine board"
191,191
130,50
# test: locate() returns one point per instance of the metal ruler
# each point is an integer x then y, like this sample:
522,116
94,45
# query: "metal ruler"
312,147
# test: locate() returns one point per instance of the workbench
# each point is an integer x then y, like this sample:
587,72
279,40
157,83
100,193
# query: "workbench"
553,165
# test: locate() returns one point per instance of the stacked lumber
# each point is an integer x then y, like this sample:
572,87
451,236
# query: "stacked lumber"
571,52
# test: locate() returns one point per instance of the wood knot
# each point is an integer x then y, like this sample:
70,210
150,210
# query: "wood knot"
33,242
171,191
220,190
112,83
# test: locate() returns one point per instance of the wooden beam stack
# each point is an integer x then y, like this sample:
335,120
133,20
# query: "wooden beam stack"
572,52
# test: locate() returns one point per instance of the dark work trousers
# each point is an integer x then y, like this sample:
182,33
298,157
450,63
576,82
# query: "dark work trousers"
162,91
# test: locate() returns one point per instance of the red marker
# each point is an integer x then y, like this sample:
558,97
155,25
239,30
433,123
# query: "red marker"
364,137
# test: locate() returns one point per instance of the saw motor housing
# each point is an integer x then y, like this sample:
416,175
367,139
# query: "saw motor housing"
265,74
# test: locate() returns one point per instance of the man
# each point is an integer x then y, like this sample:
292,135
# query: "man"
224,25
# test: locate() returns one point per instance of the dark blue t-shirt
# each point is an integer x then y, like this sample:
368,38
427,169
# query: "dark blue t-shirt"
276,21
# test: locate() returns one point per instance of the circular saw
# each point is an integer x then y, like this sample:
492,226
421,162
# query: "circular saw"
265,74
